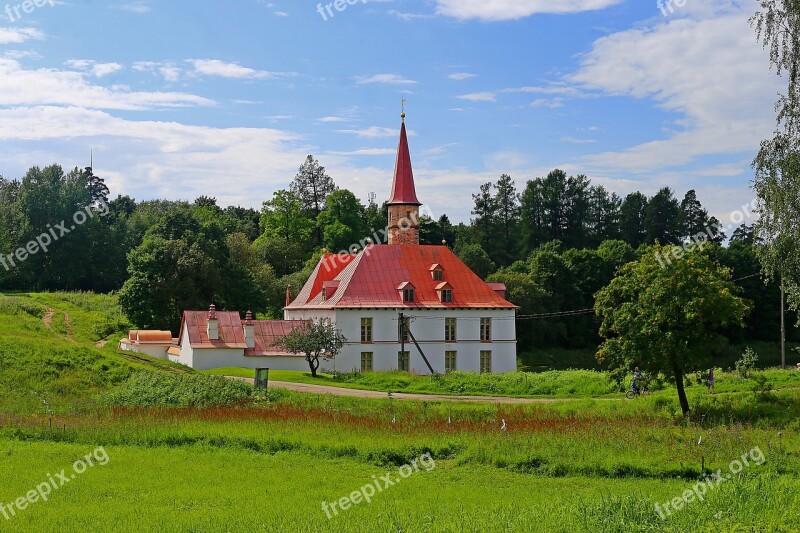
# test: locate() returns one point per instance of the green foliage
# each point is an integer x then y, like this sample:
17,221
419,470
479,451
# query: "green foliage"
150,389
747,363
314,339
664,316
777,181
476,259
342,221
762,388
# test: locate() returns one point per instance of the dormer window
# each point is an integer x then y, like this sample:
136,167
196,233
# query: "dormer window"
437,272
329,289
407,292
445,291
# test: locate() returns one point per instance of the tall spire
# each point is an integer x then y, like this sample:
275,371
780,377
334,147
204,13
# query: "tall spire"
403,204
403,190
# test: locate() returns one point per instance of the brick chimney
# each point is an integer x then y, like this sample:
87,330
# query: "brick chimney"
249,330
213,324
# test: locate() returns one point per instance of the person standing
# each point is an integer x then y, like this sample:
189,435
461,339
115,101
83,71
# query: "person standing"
711,380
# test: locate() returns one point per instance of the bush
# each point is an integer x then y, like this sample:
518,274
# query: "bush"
148,389
747,362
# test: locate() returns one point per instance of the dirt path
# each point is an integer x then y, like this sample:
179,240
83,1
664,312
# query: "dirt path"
48,318
357,393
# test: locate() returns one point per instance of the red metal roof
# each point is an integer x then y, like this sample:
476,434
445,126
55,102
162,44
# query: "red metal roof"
329,267
231,332
267,333
403,190
373,278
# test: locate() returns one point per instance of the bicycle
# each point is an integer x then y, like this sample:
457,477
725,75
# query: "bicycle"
636,391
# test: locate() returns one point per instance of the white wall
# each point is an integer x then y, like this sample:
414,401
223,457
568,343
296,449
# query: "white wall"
154,350
428,329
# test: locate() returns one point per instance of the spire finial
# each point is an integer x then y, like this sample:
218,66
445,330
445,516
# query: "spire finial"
403,115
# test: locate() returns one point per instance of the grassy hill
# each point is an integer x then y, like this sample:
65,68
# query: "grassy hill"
59,350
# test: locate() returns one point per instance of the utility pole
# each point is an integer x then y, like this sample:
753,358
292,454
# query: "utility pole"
783,325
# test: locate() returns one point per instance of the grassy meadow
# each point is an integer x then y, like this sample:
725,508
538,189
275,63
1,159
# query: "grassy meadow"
190,452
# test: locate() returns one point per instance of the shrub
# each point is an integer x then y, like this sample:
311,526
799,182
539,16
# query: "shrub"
747,362
148,389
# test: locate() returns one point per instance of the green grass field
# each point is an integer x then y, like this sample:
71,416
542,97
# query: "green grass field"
194,453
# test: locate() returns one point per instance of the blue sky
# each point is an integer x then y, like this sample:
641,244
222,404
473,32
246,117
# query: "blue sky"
179,99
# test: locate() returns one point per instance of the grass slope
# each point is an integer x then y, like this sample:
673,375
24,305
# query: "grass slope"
54,354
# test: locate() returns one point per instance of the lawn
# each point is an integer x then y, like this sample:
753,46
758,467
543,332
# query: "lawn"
190,452
203,489
563,384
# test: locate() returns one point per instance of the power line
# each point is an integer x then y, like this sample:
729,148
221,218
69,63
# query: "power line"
554,314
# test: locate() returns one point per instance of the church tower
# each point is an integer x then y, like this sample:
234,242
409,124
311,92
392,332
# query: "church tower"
403,204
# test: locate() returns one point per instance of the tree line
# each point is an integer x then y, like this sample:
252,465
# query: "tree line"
554,245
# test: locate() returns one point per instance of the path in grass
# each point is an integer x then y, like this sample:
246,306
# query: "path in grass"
357,393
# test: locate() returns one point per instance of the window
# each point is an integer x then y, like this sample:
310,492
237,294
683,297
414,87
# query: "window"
366,361
447,296
408,295
486,362
486,329
404,361
438,275
449,361
403,327
324,293
449,330
366,330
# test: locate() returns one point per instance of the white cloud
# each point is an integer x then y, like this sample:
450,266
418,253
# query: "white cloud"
150,159
20,87
479,97
496,10
460,76
408,17
373,132
138,7
168,71
368,151
98,70
552,103
19,35
215,67
711,73
386,79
